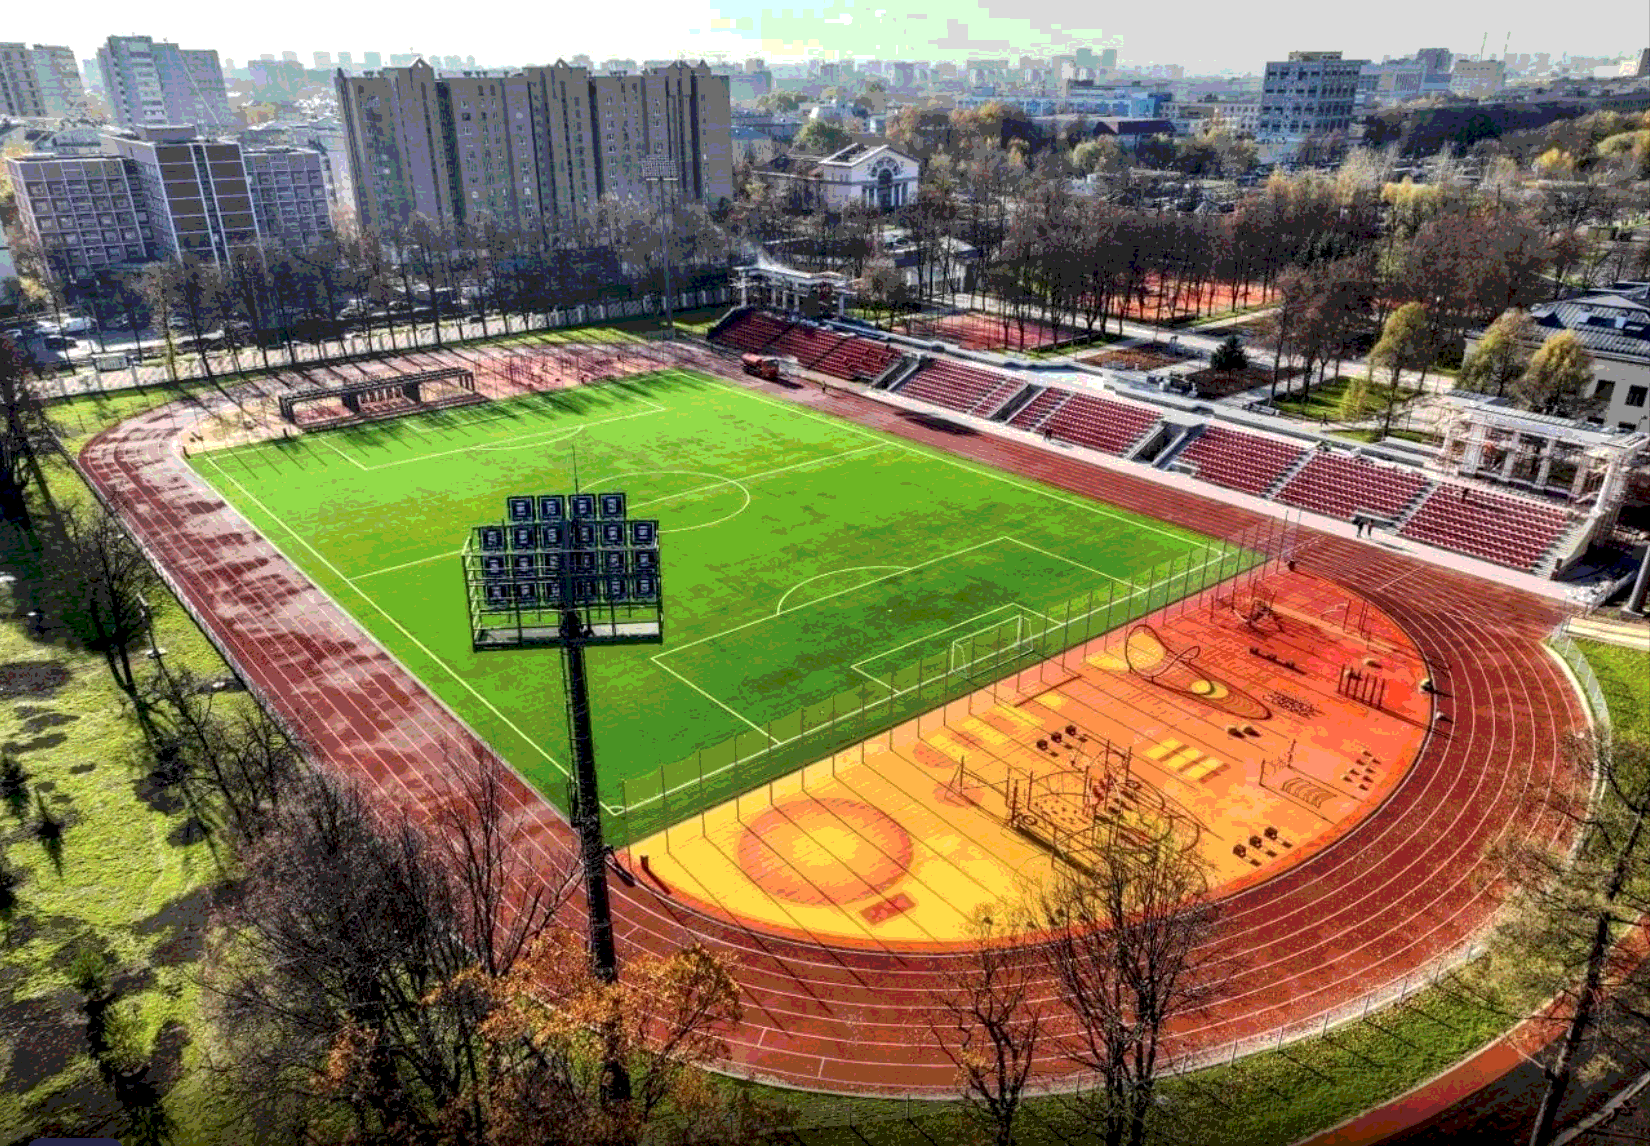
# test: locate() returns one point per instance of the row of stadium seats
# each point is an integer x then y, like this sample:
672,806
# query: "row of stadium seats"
1342,486
1101,424
1038,408
953,385
1511,531
1244,462
751,331
807,344
1514,531
842,356
857,358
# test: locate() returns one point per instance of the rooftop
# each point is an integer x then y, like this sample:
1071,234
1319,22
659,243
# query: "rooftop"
1616,321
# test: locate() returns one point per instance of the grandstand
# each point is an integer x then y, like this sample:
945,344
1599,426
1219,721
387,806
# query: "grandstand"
1248,463
1512,531
1532,531
1101,424
958,387
1346,486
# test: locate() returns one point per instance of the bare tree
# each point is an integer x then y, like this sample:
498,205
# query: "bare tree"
1127,930
403,983
105,581
1574,909
995,1024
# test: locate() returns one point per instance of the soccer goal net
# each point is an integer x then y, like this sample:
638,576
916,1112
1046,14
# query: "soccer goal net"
994,647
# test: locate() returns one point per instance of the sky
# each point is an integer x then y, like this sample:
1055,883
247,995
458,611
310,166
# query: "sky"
1202,35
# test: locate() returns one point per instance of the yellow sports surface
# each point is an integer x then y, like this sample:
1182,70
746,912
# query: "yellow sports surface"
1256,723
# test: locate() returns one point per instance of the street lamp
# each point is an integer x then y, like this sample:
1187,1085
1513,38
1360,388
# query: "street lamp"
661,169
570,571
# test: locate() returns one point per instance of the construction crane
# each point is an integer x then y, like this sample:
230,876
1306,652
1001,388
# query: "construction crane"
1484,43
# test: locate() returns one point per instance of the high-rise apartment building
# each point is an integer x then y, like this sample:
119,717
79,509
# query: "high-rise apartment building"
346,60
323,61
40,81
372,60
195,190
58,73
289,194
546,141
1435,61
162,192
290,57
154,83
19,84
1310,94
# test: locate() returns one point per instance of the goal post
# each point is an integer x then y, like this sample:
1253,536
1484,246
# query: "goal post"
993,647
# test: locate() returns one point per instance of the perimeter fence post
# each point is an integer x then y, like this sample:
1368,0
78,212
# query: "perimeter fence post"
664,805
624,794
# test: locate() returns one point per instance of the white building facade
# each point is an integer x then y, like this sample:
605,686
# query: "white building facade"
877,177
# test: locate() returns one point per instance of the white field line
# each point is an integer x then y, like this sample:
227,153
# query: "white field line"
1136,521
829,596
780,608
893,691
292,533
717,484
734,712
523,441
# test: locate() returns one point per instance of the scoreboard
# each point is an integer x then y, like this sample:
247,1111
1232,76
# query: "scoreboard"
558,552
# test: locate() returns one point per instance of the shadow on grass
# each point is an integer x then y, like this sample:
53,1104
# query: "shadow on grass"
49,829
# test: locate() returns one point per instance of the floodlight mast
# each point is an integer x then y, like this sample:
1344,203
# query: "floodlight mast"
661,170
587,808
537,569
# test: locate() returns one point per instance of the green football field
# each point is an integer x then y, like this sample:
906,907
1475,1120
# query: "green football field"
821,581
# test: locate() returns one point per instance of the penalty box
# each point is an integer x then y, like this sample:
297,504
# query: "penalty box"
968,612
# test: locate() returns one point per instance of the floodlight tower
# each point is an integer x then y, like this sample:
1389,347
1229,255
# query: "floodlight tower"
661,169
570,571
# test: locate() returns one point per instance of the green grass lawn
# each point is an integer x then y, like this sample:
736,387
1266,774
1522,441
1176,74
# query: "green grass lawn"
1420,437
1325,401
820,580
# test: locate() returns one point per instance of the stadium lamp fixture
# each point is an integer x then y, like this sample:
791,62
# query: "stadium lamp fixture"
569,571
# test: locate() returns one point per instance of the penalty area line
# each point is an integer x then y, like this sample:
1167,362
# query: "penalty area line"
367,597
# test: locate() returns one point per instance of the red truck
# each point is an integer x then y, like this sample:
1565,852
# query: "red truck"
761,366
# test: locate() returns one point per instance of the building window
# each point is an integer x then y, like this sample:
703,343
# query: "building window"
1637,394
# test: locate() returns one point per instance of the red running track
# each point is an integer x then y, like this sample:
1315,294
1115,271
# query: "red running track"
1410,885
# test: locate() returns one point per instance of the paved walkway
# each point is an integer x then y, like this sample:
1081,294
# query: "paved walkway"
1623,633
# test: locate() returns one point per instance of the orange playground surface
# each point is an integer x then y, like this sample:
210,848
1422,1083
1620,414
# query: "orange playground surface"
1258,721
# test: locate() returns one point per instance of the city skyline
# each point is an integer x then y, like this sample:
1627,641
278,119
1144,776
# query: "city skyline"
1203,38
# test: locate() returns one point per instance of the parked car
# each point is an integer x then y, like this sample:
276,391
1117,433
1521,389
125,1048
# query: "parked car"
59,342
78,324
